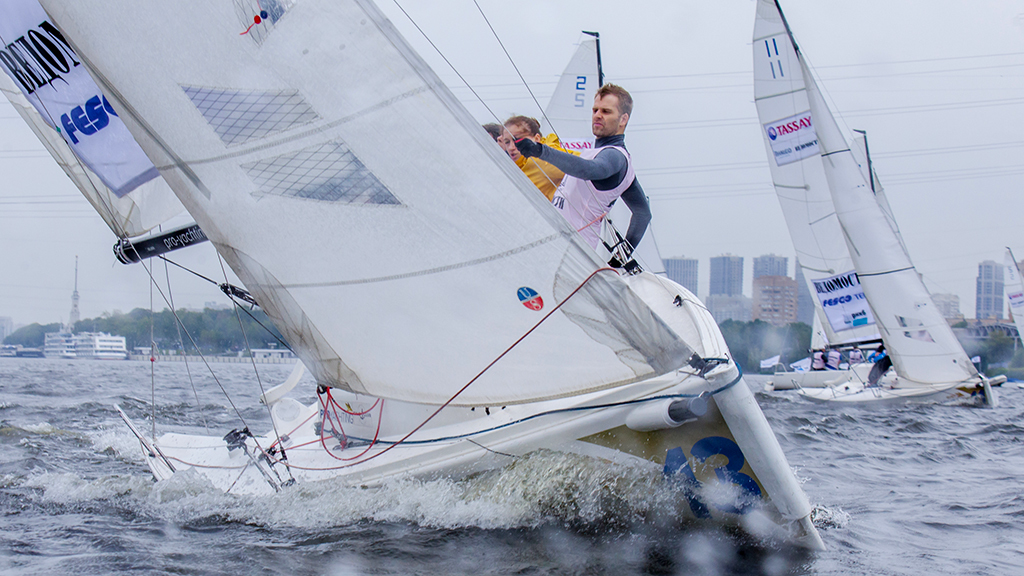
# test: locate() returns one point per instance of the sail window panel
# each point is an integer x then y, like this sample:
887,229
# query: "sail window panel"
240,116
329,172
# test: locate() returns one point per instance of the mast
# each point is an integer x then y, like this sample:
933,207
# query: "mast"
867,152
789,31
600,70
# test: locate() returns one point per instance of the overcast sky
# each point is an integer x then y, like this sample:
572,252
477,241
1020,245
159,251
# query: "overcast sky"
938,85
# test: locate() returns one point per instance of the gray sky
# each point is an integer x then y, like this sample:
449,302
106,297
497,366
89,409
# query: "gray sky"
938,85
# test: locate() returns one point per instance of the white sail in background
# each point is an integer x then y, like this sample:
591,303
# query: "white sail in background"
800,183
143,201
570,111
918,338
1014,290
305,142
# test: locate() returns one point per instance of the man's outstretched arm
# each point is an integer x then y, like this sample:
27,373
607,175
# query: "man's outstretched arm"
607,163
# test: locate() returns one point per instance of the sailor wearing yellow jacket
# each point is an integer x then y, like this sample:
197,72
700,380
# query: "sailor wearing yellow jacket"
543,175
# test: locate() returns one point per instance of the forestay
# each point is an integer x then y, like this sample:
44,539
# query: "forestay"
392,242
919,340
800,184
570,111
37,55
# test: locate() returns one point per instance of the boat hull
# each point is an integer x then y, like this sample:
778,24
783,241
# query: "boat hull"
356,440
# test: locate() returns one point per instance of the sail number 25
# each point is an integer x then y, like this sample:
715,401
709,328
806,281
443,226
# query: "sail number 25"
581,90
678,468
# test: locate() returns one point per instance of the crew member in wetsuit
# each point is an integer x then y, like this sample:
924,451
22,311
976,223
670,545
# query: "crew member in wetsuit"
596,178
882,364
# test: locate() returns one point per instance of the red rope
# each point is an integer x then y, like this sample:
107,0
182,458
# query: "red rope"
454,396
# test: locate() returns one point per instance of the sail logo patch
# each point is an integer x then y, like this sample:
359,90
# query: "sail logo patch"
792,138
530,298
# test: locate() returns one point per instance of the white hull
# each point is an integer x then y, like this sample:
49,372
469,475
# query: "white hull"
894,390
818,378
462,441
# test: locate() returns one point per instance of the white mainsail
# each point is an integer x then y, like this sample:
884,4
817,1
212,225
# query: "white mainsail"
919,340
568,114
394,245
1014,290
138,208
801,185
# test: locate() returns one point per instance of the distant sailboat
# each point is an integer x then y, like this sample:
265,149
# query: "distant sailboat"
831,198
453,321
1014,290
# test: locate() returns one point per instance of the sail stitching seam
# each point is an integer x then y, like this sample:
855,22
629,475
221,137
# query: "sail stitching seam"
437,270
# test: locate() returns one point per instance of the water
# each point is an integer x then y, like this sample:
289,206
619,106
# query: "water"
911,490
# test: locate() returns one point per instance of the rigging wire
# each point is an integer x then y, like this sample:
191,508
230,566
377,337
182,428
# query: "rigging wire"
259,380
520,74
184,352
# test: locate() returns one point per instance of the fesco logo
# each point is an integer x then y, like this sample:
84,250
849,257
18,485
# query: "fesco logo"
772,133
88,119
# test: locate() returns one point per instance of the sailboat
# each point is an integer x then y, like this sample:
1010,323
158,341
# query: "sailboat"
1014,289
831,198
452,320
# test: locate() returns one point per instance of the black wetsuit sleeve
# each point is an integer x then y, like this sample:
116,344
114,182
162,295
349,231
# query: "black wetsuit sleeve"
636,201
606,165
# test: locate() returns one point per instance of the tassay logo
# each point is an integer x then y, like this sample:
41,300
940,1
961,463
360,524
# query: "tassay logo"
772,133
794,126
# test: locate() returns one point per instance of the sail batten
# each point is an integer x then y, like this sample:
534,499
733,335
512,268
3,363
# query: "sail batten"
395,246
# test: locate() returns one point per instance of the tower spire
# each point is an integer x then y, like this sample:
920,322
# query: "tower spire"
74,316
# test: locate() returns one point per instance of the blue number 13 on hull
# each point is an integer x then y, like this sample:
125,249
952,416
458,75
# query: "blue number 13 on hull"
678,468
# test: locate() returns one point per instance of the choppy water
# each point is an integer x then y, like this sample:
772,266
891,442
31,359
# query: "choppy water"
910,490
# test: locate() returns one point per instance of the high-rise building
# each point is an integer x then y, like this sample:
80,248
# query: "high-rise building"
682,271
988,302
774,300
804,299
726,275
724,307
771,265
6,327
948,305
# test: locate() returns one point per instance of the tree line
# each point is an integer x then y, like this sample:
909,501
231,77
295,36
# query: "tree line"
214,331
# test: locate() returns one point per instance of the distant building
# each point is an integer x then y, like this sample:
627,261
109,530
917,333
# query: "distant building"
948,305
771,265
682,271
724,307
988,301
726,275
6,327
73,317
804,300
775,300
266,353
